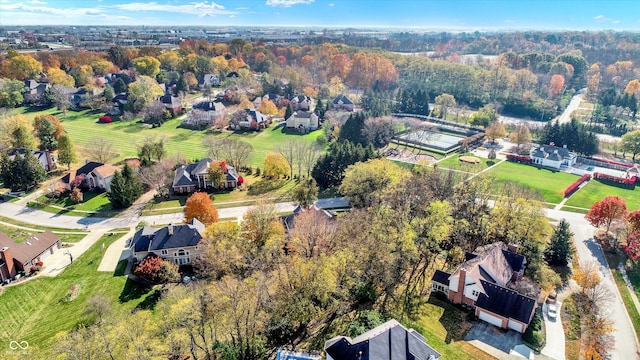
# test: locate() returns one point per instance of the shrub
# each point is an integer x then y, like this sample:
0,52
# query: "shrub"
240,180
105,119
573,187
39,263
519,159
629,183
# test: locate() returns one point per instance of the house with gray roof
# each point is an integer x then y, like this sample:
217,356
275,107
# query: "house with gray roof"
179,244
342,103
484,283
388,341
302,102
192,177
46,159
553,156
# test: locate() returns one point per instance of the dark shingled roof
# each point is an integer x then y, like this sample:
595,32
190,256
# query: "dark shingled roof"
505,302
150,239
516,261
469,256
345,100
441,277
84,170
390,340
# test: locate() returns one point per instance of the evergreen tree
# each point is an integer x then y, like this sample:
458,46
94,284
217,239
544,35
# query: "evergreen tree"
22,173
559,251
45,131
125,188
182,85
288,112
23,138
66,151
120,86
351,130
330,168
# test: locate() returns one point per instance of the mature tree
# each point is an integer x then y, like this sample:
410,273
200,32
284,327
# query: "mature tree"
305,193
444,102
60,77
150,149
267,107
147,66
329,169
275,166
59,96
216,174
365,183
633,219
125,188
22,173
289,111
82,74
144,90
234,152
154,112
22,137
23,67
521,135
149,268
260,224
199,206
11,93
556,86
66,151
604,212
631,143
48,129
100,149
312,234
157,176
76,195
484,116
560,250
379,131
9,125
101,66
352,129
120,87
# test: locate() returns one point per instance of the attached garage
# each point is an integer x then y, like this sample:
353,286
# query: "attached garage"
517,326
491,319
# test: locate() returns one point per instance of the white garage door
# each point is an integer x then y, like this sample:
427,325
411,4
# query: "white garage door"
491,319
514,325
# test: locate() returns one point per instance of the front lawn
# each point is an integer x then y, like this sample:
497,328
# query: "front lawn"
454,163
82,126
595,191
18,234
91,201
549,184
38,309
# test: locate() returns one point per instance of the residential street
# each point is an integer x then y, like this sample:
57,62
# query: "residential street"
626,344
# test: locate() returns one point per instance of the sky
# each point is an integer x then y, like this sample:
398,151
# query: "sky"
439,15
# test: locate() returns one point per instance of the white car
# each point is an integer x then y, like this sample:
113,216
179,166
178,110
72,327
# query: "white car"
552,311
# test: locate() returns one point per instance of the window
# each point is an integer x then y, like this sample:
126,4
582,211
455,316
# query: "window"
475,293
165,252
180,252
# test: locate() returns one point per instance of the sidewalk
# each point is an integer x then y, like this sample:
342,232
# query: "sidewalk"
116,252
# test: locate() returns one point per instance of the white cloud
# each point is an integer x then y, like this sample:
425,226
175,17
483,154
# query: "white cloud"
332,4
288,3
196,8
603,19
70,12
37,2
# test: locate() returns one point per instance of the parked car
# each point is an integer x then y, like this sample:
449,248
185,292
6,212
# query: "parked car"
552,311
551,298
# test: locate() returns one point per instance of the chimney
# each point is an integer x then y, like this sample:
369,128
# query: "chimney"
458,297
513,248
5,255
170,229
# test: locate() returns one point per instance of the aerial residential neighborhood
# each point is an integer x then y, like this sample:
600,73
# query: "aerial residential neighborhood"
300,179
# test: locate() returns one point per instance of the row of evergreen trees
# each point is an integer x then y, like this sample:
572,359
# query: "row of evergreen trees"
575,135
22,173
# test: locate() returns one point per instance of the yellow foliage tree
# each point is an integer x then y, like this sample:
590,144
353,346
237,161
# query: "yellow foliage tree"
275,166
60,77
199,206
267,107
23,67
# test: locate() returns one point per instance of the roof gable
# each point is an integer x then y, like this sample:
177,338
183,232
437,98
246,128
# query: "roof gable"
505,302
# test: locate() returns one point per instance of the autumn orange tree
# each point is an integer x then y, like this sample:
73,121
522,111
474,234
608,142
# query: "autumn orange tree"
604,212
199,206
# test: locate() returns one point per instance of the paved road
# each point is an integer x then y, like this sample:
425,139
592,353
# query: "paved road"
573,105
554,347
626,343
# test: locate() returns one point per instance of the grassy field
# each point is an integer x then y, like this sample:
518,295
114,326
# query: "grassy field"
596,191
83,125
453,162
38,309
92,201
548,183
445,326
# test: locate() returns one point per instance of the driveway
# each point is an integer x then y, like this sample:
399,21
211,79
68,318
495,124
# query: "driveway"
588,249
496,342
554,347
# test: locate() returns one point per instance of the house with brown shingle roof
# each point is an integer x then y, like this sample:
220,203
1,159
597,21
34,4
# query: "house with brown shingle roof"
483,282
18,257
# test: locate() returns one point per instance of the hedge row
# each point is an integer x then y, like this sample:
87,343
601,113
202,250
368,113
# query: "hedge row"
573,187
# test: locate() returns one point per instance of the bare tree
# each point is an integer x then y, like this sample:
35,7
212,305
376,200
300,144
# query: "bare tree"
59,96
312,233
234,152
158,176
308,156
100,149
154,112
212,144
289,150
379,131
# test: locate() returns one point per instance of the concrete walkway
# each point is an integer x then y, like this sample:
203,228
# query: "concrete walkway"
116,252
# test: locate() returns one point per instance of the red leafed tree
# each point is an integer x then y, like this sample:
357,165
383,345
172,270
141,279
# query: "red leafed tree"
556,85
632,247
149,267
605,211
77,181
633,219
199,206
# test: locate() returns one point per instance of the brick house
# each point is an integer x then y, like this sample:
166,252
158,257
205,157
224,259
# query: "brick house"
18,257
192,177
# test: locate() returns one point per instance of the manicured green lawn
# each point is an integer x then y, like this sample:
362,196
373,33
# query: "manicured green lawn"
83,125
19,235
454,163
91,201
550,184
37,310
595,191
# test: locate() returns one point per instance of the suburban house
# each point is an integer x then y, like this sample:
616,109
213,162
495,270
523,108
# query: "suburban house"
205,114
175,243
172,104
45,158
209,80
275,98
35,93
192,177
249,119
95,175
18,257
388,341
553,156
302,102
483,282
342,103
118,103
289,221
303,121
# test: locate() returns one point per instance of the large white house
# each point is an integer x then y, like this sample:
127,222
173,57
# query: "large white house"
303,120
553,156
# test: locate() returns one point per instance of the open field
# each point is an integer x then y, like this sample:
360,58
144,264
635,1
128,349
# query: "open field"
35,311
83,125
453,163
596,191
548,183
